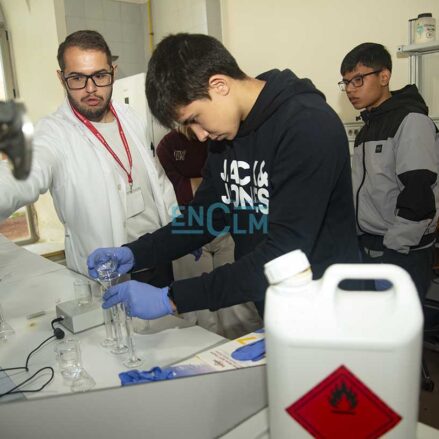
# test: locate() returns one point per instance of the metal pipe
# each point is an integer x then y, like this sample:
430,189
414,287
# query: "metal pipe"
151,33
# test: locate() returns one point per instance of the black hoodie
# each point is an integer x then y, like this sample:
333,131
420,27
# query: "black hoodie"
283,183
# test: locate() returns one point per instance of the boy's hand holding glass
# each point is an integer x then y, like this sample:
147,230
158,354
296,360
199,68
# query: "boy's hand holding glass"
140,299
122,255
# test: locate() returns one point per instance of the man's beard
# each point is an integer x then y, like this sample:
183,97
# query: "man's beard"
93,115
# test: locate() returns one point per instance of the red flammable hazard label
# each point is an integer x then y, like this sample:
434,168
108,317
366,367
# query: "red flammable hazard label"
342,407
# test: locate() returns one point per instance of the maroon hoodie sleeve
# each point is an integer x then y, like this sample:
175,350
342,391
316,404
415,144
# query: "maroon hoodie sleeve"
182,185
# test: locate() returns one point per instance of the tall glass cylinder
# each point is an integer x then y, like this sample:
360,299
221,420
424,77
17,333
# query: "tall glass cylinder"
114,317
106,265
133,360
109,340
118,317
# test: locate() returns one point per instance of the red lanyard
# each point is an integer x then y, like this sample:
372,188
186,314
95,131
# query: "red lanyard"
99,136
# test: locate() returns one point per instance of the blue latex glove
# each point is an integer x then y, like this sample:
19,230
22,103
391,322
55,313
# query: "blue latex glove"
144,376
124,256
140,299
197,254
253,351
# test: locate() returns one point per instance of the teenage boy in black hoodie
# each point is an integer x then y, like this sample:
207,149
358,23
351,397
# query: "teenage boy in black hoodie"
277,177
395,166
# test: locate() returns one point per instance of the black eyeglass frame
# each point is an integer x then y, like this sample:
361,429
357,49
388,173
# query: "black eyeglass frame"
87,77
344,83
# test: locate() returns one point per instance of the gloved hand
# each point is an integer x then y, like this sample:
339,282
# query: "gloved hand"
197,253
143,376
140,299
124,256
253,351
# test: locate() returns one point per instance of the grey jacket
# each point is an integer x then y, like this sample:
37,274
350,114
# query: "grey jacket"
395,171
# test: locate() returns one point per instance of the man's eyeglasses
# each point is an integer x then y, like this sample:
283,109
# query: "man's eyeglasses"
356,81
79,81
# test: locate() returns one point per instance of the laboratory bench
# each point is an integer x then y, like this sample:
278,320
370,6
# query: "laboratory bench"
199,406
229,405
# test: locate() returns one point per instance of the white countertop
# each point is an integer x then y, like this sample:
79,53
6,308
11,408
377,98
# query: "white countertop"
31,284
170,345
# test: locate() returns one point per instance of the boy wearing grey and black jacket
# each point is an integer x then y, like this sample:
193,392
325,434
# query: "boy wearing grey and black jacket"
395,166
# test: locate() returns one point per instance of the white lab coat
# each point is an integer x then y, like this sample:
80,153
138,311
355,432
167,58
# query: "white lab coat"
89,195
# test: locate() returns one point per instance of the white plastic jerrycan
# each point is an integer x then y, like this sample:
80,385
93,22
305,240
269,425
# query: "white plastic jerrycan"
341,364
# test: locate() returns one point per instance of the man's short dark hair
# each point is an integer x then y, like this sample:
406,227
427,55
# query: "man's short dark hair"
372,55
179,72
85,40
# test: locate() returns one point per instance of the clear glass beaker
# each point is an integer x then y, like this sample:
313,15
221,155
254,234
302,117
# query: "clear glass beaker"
82,290
68,354
82,382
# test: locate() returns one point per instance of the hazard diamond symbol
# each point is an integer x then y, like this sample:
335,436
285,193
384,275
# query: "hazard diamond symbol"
342,407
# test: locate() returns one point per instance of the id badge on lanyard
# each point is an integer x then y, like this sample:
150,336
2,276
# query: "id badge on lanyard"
135,202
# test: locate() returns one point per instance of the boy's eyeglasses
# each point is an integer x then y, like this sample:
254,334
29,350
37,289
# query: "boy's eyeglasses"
356,81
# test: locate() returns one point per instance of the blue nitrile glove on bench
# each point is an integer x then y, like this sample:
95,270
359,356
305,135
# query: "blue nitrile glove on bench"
146,376
160,374
251,352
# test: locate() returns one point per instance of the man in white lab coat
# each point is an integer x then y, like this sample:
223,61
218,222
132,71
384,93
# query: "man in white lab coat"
95,158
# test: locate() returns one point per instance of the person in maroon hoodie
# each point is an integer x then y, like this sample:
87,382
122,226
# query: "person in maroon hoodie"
183,156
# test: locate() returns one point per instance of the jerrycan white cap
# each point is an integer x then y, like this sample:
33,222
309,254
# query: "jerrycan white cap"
286,266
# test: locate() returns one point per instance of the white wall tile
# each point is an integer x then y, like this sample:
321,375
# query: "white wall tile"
97,25
94,9
75,23
198,16
74,8
131,51
112,10
131,32
130,13
125,53
178,16
113,30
